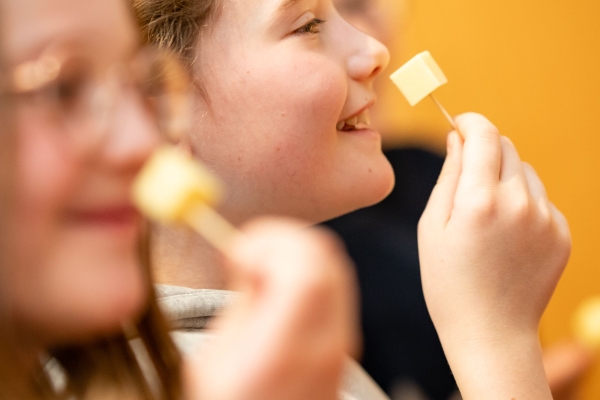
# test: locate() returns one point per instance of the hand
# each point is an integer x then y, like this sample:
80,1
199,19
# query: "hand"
294,325
492,249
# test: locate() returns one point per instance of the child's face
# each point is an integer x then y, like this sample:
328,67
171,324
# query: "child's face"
280,85
77,272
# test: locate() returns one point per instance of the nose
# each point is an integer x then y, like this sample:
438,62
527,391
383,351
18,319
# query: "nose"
367,58
134,134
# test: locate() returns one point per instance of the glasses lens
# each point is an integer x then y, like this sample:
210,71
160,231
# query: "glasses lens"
78,94
81,97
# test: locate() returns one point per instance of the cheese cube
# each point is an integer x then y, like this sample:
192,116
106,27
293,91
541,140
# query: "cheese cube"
171,184
587,323
419,77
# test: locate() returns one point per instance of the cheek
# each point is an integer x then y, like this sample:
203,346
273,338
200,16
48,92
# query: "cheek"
44,175
307,131
283,112
67,280
45,169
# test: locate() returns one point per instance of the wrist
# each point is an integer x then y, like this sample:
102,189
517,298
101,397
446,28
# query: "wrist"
502,364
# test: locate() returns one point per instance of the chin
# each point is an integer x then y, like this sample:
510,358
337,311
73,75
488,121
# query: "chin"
381,187
367,190
114,299
127,298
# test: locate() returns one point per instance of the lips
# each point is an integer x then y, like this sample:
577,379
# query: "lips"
360,121
357,121
118,215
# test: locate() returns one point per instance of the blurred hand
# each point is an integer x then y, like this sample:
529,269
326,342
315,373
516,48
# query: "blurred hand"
492,249
294,325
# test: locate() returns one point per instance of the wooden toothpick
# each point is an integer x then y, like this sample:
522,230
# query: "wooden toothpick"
443,110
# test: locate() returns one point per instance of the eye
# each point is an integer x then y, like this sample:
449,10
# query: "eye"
312,28
75,80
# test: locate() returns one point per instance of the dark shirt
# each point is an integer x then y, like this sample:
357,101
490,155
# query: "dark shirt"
400,342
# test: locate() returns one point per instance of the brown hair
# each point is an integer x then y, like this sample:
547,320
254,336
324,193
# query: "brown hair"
175,24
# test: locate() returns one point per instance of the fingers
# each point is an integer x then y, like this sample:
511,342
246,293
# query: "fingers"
441,201
301,281
562,224
290,331
540,196
482,152
534,183
512,167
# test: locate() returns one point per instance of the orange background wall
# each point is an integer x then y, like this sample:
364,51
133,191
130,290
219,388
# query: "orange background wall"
532,67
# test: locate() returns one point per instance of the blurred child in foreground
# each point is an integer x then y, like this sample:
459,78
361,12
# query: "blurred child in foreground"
78,288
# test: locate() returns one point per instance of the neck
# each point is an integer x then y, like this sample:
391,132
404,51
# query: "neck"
182,258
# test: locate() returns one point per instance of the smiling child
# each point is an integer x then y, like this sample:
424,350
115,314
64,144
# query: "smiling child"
283,91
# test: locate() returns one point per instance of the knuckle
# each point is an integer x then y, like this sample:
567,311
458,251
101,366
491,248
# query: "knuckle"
528,167
473,122
482,206
564,232
506,142
522,209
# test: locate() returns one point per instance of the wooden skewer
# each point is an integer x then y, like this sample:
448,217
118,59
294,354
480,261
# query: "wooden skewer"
212,226
443,110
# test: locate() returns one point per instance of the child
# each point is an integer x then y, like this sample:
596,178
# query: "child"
284,89
78,288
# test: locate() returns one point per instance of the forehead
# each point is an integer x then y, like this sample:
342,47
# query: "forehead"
356,5
264,10
29,25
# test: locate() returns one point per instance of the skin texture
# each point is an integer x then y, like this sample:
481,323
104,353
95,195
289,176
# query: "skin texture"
297,313
77,276
370,16
268,124
492,246
492,249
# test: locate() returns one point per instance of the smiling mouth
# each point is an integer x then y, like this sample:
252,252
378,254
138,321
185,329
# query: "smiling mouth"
110,216
358,122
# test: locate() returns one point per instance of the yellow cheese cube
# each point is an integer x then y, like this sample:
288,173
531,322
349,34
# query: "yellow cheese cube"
587,323
171,184
419,77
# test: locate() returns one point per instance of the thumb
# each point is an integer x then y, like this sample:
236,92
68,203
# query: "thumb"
441,202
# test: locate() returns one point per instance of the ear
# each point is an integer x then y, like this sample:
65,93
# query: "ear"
184,144
180,124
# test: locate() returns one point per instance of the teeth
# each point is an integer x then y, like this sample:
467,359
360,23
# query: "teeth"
362,121
364,118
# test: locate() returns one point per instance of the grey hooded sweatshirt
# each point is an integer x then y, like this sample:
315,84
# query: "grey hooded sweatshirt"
190,310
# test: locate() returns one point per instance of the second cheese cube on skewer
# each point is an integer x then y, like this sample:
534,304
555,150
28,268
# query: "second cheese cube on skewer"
171,183
175,188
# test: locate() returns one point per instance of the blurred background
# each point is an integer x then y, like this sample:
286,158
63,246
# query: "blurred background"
533,68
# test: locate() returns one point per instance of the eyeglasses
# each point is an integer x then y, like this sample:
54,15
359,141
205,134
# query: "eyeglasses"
79,95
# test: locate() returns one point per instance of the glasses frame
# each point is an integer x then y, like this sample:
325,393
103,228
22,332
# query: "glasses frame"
155,75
